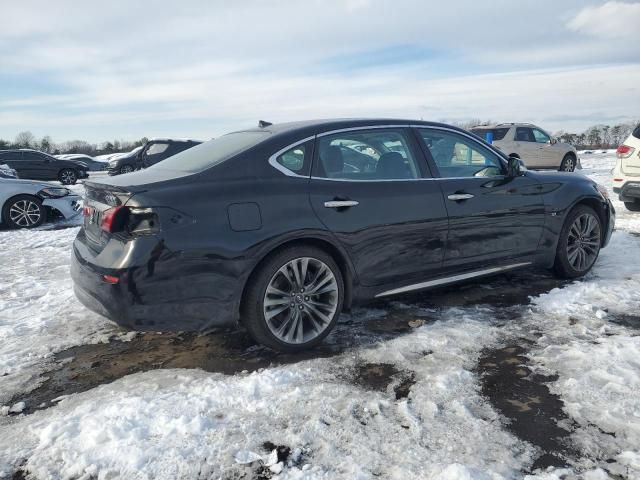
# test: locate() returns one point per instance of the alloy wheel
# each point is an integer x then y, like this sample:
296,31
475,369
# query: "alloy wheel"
583,242
24,213
126,169
568,164
301,300
68,177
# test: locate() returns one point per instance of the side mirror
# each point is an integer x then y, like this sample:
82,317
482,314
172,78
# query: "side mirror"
515,167
553,141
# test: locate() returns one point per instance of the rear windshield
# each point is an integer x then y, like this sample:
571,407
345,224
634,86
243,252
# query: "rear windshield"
498,133
212,152
636,132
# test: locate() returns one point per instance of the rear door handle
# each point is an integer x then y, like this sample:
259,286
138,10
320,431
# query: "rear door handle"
456,197
341,203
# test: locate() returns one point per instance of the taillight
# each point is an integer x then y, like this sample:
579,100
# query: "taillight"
132,220
625,151
114,219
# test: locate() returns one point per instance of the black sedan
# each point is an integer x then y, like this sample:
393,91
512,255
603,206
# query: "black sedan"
283,227
35,165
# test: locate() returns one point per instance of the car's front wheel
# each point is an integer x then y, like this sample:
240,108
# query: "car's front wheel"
568,163
126,169
68,176
24,211
579,243
294,300
633,206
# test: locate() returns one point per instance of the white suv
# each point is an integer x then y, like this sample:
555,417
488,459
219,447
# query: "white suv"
626,174
535,147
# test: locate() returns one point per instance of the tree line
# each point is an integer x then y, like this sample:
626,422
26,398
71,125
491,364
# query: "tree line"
46,144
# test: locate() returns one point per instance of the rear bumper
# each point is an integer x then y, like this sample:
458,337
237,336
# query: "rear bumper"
143,301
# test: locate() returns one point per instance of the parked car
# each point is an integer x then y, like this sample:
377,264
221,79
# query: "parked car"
272,228
36,165
7,172
154,151
93,164
29,203
532,144
626,174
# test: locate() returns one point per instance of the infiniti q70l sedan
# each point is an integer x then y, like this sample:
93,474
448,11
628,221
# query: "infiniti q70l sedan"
281,227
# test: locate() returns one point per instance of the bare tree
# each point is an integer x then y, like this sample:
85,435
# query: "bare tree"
25,140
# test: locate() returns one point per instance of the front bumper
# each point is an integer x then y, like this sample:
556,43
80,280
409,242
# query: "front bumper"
69,206
629,191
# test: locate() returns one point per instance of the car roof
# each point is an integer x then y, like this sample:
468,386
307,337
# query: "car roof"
505,125
313,127
183,140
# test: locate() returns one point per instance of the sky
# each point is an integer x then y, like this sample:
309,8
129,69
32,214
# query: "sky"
97,70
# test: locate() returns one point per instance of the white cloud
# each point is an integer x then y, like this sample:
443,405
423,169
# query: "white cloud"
610,20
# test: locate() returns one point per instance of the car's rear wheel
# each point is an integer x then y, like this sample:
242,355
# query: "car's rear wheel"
568,163
126,169
579,243
68,176
633,206
294,300
24,211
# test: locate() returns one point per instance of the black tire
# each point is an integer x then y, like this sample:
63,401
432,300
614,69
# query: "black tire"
563,266
11,212
633,206
568,164
126,169
68,176
253,307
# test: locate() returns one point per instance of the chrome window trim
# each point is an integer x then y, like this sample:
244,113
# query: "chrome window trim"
450,279
281,168
369,127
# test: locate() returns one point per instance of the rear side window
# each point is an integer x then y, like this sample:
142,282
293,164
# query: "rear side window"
377,154
213,152
524,134
297,159
636,132
498,133
157,148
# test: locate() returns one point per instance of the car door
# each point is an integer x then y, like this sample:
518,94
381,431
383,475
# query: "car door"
527,147
31,166
548,154
371,188
492,216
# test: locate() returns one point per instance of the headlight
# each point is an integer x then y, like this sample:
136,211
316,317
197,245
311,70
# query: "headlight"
602,190
53,192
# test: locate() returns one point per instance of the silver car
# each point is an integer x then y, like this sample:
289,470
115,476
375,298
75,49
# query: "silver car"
29,203
531,144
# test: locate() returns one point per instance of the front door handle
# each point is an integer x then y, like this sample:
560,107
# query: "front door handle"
456,197
341,204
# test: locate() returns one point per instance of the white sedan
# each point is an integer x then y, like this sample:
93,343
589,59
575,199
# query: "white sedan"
29,203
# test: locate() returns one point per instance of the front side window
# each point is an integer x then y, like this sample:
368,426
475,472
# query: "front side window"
524,134
456,155
540,136
376,154
156,148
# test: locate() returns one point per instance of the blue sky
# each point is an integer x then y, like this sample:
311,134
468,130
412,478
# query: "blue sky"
102,70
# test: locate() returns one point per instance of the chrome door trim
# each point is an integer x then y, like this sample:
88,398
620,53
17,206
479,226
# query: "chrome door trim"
368,127
451,279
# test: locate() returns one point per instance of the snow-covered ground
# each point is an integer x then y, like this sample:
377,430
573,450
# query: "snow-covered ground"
192,424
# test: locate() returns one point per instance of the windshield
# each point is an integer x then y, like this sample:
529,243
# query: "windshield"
212,152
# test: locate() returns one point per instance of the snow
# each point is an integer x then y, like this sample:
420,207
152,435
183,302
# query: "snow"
193,424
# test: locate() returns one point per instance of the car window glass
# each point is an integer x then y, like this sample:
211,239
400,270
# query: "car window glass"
524,134
157,148
294,159
456,155
377,154
498,133
540,136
